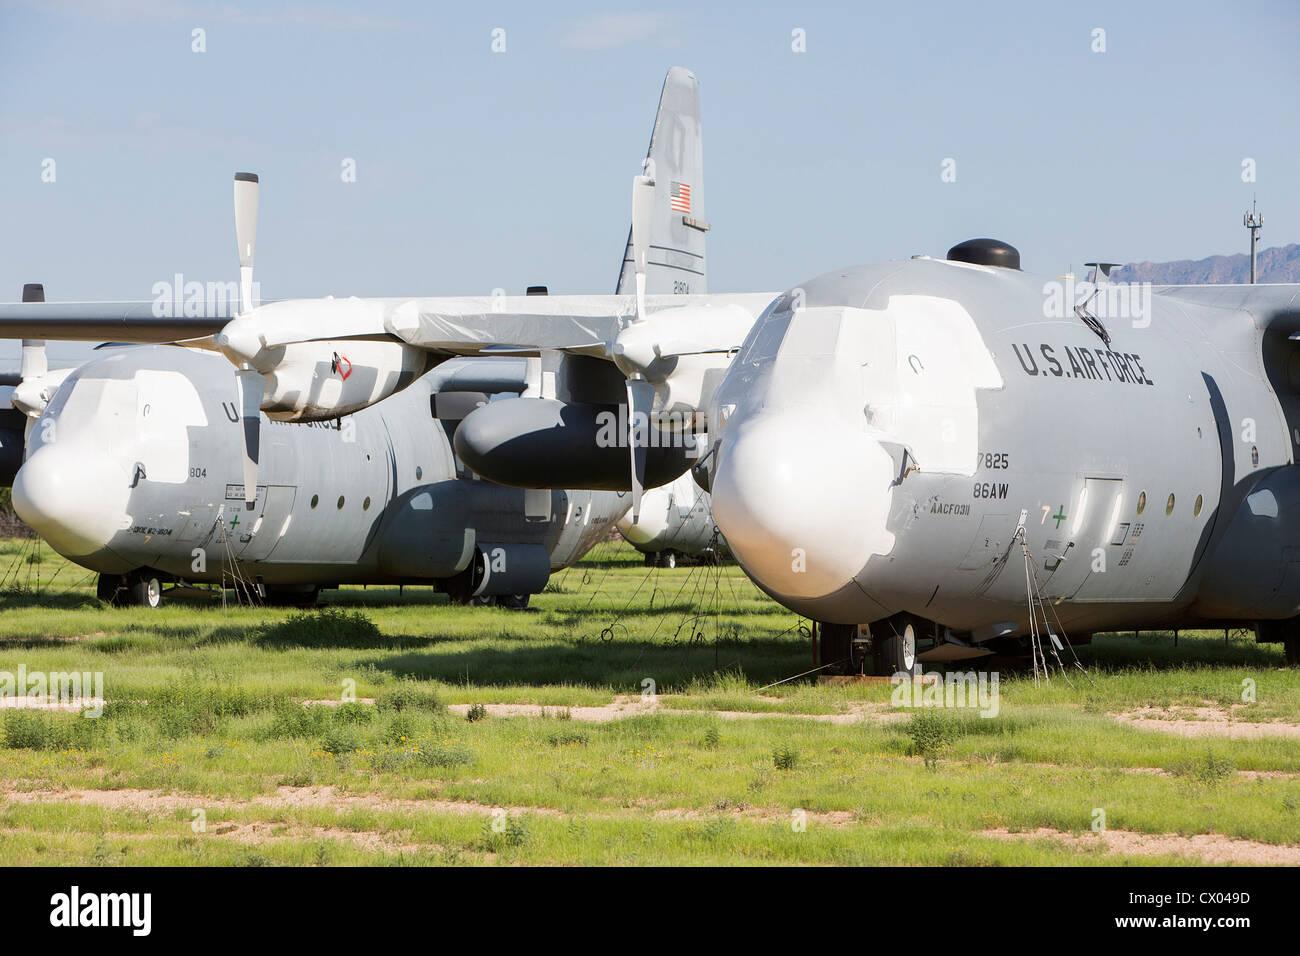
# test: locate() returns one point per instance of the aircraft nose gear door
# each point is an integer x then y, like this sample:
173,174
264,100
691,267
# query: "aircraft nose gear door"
254,534
1067,561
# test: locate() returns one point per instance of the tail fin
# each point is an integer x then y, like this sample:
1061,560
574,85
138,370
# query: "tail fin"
675,263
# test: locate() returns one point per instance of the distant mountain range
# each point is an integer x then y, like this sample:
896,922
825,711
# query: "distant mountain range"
1279,264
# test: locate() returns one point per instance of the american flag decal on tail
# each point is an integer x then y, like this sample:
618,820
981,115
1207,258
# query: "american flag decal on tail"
681,198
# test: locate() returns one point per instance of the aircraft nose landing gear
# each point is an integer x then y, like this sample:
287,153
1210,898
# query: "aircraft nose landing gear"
140,588
838,648
884,648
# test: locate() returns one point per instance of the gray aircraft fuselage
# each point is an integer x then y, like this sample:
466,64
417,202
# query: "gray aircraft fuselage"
136,463
885,426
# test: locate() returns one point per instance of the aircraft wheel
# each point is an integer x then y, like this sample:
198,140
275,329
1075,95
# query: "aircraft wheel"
513,602
667,559
1284,633
143,589
835,647
482,600
110,589
894,644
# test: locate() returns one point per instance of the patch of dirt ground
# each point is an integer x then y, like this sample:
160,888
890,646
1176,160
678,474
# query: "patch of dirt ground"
153,801
1206,847
630,706
832,818
51,702
1204,722
327,797
258,833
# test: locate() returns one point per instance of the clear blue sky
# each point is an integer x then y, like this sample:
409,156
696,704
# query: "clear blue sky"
478,170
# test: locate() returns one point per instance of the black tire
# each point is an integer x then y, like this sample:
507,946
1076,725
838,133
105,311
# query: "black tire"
894,645
514,602
835,647
668,559
651,559
110,588
1282,632
461,587
143,589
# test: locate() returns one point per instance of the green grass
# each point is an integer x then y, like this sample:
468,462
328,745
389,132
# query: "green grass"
206,712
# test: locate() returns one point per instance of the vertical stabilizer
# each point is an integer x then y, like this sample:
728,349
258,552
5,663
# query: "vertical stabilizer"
675,262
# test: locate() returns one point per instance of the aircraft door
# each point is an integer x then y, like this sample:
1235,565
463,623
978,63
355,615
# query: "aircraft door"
1068,560
254,539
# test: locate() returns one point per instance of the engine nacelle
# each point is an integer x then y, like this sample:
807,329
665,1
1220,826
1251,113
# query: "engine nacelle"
685,352
316,381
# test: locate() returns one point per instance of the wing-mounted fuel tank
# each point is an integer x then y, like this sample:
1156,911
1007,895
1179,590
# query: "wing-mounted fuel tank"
545,443
1254,572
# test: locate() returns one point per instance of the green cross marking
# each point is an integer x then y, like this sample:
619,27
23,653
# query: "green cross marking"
233,522
1059,516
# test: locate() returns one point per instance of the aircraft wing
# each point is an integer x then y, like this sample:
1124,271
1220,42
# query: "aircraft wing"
1273,307
104,322
585,324
453,325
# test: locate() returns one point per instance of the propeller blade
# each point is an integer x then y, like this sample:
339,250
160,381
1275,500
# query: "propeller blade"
34,365
251,386
29,394
643,207
246,187
640,402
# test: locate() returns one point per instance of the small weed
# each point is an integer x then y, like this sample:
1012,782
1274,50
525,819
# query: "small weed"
340,740
1209,771
570,738
408,696
514,834
28,731
931,733
326,627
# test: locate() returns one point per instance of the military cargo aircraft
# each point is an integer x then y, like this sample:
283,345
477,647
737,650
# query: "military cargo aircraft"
132,471
675,523
133,461
915,453
923,456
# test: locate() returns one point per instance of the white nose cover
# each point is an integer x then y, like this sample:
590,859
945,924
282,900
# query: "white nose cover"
804,487
73,498
802,505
